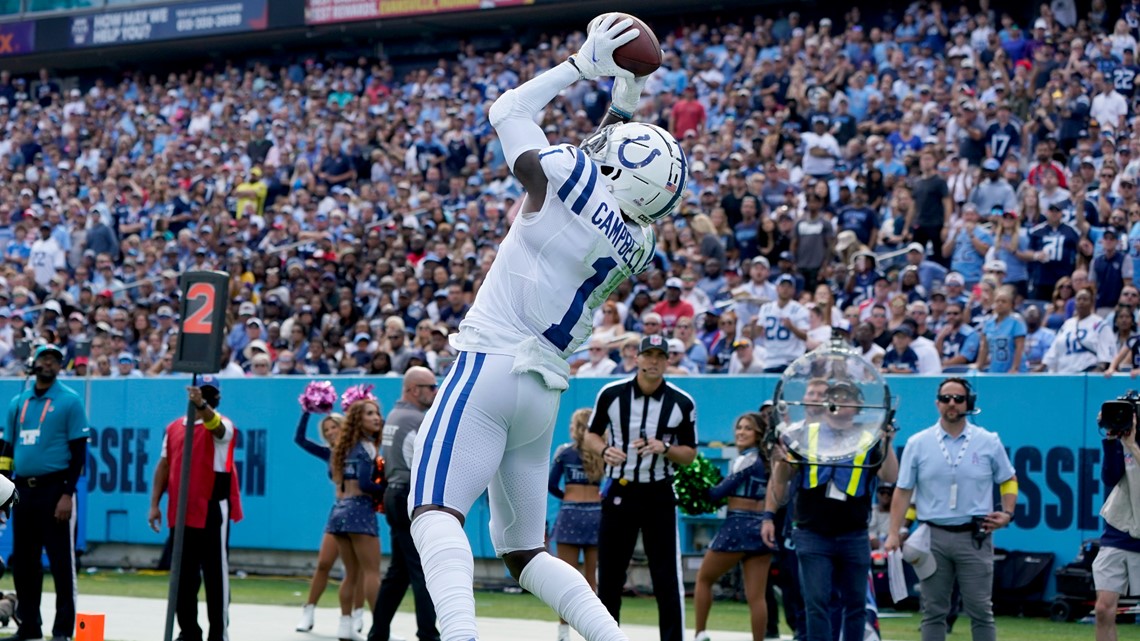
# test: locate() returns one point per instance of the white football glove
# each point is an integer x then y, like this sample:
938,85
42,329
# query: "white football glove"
596,57
627,93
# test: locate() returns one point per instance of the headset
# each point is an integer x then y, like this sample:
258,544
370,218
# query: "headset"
971,397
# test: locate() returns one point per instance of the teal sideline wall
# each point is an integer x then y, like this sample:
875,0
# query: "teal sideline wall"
1047,423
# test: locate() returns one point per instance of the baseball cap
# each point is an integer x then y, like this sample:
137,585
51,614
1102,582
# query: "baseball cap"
362,336
991,164
209,380
842,325
954,278
48,349
652,342
741,342
165,312
676,346
760,260
1109,231
126,357
674,283
846,239
247,309
904,330
916,247
916,551
996,265
786,278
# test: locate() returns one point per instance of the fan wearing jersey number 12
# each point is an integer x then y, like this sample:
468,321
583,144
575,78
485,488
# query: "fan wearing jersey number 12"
584,227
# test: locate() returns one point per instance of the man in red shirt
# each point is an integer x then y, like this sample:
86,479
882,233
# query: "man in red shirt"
673,308
1045,163
214,501
688,113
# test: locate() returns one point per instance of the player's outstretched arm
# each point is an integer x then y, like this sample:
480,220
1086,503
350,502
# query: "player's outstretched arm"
513,114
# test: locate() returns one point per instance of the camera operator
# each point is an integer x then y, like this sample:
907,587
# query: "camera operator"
1116,570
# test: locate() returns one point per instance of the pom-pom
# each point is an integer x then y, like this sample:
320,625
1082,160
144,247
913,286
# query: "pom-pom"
319,397
356,393
691,484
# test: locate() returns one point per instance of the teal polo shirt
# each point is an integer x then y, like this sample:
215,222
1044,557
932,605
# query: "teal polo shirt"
39,428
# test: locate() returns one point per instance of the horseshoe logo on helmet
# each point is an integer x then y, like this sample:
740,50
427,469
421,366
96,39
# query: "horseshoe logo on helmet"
636,165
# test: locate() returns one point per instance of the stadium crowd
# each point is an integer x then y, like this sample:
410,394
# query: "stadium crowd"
954,188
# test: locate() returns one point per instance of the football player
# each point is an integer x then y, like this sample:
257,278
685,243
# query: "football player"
584,227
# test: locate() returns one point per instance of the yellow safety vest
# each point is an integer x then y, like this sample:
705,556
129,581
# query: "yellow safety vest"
846,473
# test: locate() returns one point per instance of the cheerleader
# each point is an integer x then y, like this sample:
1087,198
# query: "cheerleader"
330,428
576,528
739,537
353,518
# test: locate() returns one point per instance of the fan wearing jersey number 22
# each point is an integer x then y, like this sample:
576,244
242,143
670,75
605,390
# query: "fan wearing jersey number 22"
585,226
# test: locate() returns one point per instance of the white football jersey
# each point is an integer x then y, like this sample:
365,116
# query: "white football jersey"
780,344
557,265
1081,344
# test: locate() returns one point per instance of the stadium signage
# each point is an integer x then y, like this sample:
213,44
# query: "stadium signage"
334,11
17,38
168,22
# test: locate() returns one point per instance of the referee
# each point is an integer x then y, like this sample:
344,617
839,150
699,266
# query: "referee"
45,447
652,429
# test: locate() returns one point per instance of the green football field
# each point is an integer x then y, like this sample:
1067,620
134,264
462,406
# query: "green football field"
726,615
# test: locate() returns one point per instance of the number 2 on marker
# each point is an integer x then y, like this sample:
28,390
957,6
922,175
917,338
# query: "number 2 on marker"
199,321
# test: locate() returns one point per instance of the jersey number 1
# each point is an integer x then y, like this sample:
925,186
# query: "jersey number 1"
559,334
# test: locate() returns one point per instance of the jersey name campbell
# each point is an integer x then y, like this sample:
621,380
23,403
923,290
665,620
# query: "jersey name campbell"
557,265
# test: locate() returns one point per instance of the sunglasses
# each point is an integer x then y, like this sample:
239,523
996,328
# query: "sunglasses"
951,398
433,386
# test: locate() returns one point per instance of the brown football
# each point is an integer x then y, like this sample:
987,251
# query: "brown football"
641,56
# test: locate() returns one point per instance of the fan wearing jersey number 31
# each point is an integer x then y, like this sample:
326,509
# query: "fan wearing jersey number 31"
584,227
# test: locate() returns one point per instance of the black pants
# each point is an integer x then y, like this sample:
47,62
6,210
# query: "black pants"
404,570
1043,292
649,508
788,578
35,529
934,235
205,553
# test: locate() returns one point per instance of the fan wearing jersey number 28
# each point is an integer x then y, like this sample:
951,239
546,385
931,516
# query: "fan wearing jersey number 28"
585,226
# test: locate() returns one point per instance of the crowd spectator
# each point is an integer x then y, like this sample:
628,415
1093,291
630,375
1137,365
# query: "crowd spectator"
353,201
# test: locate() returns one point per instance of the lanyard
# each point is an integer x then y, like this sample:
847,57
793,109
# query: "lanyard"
961,453
43,413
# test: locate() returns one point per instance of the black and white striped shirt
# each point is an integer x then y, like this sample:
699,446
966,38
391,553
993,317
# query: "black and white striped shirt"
668,414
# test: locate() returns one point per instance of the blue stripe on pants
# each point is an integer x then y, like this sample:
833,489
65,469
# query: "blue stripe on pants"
452,428
449,387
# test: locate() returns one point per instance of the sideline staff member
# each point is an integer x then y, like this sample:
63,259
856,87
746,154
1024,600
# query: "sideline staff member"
404,568
47,427
1116,570
950,469
652,426
213,502
832,507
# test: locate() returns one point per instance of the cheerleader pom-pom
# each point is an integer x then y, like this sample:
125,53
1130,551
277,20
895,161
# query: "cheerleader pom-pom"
319,397
692,483
356,393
